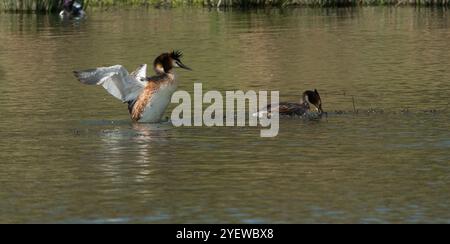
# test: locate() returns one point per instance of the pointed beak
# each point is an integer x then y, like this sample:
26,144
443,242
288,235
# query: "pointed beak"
183,66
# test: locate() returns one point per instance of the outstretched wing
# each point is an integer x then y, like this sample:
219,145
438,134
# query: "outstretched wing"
115,80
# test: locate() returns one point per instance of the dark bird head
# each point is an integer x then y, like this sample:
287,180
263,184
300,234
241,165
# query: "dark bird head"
313,97
165,62
76,8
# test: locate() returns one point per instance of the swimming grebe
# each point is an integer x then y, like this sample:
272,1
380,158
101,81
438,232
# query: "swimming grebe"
72,9
302,109
147,97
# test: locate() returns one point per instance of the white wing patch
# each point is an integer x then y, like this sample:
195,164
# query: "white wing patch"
140,74
116,80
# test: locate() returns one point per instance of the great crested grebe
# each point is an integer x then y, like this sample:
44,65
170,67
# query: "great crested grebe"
147,97
302,109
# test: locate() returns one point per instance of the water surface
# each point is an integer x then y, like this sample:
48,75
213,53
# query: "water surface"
69,153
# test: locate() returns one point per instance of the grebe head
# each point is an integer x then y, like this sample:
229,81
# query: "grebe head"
165,62
313,97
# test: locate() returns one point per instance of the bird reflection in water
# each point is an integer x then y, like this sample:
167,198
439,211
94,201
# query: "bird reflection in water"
129,152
